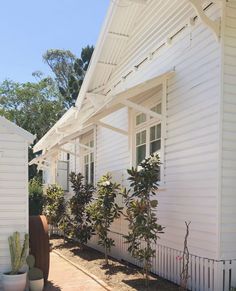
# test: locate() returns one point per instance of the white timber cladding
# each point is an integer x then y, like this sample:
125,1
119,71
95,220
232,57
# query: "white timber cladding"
13,187
228,198
192,114
190,146
198,143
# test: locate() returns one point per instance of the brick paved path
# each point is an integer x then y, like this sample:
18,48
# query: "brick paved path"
64,276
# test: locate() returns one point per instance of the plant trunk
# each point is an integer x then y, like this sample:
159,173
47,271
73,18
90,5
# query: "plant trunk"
106,255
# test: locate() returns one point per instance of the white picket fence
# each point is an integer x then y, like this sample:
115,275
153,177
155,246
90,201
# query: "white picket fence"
205,274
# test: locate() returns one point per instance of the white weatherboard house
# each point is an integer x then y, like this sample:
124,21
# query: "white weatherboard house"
14,142
162,79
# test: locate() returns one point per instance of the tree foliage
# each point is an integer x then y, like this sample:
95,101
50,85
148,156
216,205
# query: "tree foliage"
35,197
141,211
69,71
36,107
80,224
104,211
54,204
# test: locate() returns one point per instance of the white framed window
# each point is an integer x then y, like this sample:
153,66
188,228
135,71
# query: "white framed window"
87,158
148,135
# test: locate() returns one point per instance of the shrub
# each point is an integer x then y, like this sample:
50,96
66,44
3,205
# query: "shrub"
104,211
79,225
141,212
54,204
35,197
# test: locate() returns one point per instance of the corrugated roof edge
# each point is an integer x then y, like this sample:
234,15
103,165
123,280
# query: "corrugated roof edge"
97,52
92,66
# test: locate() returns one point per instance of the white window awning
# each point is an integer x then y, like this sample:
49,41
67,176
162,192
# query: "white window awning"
120,100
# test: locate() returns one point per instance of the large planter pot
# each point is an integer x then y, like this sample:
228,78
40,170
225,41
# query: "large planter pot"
39,243
14,282
36,285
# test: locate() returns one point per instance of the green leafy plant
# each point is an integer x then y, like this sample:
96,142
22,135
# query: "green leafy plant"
54,205
33,273
141,212
80,225
104,211
18,252
35,197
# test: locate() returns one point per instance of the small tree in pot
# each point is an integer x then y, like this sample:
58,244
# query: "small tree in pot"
104,211
54,204
15,280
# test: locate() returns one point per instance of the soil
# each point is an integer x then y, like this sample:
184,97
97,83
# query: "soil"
120,276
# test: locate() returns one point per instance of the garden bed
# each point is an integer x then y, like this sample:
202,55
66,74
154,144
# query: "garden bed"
120,276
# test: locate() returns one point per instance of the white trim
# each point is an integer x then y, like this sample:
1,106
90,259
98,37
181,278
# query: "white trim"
68,152
85,147
116,102
96,99
214,25
116,129
163,129
143,109
220,136
96,54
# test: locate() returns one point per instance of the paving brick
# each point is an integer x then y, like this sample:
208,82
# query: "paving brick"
66,277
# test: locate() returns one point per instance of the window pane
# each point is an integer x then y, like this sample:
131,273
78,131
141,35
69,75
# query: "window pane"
92,173
140,118
91,157
86,173
141,138
86,159
157,108
155,146
155,132
140,153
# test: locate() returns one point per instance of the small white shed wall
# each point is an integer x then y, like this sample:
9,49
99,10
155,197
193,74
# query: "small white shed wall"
13,191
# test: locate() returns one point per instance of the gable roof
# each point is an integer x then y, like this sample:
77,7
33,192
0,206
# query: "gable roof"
113,37
13,128
111,44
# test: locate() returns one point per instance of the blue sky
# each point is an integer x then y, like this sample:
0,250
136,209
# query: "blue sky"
29,27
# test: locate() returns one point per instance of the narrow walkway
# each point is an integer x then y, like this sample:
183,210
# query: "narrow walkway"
66,277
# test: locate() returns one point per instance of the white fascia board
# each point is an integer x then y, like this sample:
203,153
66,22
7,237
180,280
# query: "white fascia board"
52,134
17,130
97,52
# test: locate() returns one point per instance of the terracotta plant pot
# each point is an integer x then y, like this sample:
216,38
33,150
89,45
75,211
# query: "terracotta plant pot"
36,285
14,282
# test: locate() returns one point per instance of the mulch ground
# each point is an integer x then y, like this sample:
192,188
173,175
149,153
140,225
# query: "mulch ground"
120,276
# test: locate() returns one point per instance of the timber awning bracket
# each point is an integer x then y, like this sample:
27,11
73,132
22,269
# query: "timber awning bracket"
214,25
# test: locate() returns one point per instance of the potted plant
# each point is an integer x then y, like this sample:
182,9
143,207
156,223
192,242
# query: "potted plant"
36,281
15,280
